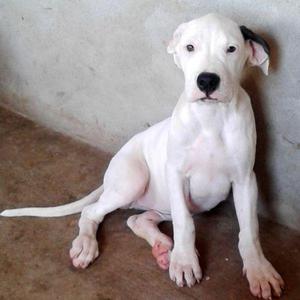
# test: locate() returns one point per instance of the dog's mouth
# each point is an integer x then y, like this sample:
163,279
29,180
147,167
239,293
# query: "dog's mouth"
209,99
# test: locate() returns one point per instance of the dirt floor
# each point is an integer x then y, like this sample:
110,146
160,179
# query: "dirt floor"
39,167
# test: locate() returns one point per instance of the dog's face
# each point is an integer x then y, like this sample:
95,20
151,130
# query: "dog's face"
212,52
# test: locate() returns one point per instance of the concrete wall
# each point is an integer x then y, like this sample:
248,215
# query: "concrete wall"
98,71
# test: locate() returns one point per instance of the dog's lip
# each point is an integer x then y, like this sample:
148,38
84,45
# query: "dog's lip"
209,99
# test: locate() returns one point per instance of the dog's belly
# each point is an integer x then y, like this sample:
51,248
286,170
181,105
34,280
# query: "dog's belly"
206,192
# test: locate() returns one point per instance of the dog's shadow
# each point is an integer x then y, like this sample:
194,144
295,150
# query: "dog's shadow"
252,83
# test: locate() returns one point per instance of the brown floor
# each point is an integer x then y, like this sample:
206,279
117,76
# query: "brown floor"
39,167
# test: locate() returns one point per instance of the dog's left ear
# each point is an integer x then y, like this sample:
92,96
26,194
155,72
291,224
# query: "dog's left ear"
259,49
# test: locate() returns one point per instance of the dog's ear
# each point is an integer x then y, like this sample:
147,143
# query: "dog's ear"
259,50
176,38
171,49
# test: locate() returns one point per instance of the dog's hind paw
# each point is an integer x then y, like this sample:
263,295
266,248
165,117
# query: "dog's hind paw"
84,251
161,252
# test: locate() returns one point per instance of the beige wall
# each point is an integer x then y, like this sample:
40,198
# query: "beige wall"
98,71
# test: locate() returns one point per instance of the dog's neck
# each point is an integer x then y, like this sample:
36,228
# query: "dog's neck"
194,118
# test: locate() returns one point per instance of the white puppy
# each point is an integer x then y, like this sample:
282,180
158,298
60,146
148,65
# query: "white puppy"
187,163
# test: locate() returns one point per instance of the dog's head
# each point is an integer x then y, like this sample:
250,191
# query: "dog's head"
212,52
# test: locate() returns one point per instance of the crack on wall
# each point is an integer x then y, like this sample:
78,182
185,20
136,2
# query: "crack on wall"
294,144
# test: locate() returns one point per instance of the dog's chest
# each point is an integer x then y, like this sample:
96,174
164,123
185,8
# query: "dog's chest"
208,153
207,167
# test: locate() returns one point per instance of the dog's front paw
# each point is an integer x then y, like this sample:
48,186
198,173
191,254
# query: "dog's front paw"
263,279
184,267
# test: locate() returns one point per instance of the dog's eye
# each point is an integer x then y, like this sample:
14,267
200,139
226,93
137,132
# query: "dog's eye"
230,49
190,48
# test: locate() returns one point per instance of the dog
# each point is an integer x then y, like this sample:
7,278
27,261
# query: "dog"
188,163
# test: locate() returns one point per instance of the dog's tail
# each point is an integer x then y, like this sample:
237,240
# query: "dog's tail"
56,211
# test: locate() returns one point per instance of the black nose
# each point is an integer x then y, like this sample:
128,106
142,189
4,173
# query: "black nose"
208,82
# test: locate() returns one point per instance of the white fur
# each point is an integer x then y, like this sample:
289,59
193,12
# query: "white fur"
188,163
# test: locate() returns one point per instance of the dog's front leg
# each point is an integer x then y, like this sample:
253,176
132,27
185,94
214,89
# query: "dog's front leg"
184,263
260,273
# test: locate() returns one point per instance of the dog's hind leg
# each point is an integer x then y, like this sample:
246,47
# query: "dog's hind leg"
125,182
145,226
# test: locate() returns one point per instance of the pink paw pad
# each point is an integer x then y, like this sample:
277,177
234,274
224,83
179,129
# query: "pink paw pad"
161,253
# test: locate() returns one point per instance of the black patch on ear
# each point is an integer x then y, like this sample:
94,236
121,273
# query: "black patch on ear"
250,35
